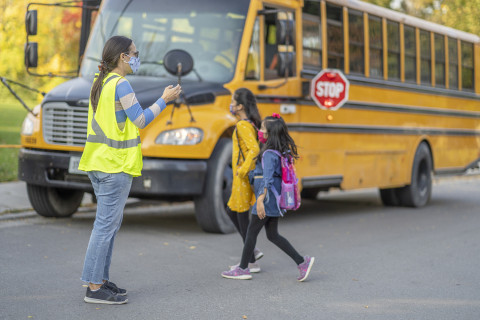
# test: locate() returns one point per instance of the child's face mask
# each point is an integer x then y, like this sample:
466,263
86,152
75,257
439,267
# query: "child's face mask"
261,138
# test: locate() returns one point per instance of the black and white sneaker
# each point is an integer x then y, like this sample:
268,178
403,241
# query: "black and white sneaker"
104,295
113,287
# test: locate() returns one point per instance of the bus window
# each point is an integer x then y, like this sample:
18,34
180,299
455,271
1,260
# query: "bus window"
439,60
410,54
452,63
312,35
335,36
425,58
375,34
467,66
393,36
356,41
252,71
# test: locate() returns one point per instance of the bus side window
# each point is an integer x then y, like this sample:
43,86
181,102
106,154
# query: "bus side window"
312,35
467,66
335,45
410,54
356,41
452,63
439,60
425,58
393,36
252,69
376,46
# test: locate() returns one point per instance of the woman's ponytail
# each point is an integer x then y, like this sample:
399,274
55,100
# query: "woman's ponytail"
110,56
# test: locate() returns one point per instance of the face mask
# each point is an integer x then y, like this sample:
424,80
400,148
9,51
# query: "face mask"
134,63
261,138
232,111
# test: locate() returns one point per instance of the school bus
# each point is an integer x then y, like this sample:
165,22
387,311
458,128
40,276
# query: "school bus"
413,106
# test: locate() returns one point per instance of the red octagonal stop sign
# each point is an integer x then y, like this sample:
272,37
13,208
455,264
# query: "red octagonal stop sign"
329,89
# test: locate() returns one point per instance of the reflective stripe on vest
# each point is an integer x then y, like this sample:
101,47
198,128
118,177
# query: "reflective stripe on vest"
100,137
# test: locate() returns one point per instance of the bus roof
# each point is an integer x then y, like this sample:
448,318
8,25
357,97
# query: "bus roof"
406,19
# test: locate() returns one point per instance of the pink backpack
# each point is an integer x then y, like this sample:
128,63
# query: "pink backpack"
289,198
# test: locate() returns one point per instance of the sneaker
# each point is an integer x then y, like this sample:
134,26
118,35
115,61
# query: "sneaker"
258,254
237,273
113,287
104,295
305,267
253,267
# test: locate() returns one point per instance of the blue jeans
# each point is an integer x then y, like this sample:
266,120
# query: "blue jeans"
111,190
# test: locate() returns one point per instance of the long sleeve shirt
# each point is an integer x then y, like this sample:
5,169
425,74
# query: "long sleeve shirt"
126,105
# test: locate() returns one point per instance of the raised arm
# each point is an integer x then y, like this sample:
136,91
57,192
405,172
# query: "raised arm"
140,117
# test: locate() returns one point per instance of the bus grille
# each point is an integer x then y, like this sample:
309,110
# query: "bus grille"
64,124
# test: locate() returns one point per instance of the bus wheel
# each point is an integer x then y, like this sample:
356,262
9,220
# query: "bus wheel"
210,206
54,202
418,193
390,197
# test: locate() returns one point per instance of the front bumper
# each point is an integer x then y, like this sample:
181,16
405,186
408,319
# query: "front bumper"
161,178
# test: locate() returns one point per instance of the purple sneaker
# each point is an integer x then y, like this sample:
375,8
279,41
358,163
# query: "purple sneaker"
305,267
237,273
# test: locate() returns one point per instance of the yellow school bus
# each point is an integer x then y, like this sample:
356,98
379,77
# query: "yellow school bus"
413,107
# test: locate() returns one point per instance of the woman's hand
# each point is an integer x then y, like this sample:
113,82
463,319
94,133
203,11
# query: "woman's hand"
171,93
261,206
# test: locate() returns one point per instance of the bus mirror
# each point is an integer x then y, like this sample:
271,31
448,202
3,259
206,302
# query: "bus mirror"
31,22
178,62
285,31
31,55
286,60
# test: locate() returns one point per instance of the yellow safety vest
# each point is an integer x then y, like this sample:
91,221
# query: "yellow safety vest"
109,149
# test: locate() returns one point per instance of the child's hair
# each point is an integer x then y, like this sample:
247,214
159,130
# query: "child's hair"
246,98
278,137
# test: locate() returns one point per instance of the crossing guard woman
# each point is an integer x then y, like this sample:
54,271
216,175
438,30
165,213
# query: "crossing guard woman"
112,157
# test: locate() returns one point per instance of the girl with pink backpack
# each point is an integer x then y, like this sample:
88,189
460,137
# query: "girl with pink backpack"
267,181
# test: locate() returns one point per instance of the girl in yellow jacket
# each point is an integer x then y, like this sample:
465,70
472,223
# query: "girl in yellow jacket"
245,150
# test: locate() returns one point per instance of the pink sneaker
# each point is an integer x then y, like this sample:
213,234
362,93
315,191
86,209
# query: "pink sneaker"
305,267
237,273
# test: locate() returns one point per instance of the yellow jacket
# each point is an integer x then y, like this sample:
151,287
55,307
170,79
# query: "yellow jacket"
242,193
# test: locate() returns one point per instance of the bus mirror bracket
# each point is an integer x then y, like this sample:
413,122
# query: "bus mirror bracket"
31,22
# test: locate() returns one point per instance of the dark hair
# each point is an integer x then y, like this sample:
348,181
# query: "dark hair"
114,46
278,137
246,98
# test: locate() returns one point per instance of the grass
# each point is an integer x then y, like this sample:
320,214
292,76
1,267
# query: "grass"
11,119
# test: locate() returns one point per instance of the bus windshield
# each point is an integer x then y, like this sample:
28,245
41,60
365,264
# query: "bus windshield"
209,30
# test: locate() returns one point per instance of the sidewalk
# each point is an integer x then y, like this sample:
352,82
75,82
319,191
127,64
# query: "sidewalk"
14,198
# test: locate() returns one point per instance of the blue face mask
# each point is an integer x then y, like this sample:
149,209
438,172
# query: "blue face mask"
232,111
134,63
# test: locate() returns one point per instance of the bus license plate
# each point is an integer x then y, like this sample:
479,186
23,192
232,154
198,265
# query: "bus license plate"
73,166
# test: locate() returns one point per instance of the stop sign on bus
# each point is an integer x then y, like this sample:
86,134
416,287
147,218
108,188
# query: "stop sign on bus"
329,89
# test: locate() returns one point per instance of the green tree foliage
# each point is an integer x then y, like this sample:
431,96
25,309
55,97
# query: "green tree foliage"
457,14
58,41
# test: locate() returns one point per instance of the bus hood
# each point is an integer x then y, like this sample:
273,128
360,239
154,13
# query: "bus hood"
147,90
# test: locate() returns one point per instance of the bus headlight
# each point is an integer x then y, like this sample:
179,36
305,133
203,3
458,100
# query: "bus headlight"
184,136
27,126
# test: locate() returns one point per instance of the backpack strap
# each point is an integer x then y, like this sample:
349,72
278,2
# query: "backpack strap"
271,150
240,153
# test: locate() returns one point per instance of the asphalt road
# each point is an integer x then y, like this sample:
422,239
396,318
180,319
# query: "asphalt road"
372,262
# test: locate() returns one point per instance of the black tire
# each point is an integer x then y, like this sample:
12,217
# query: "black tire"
310,193
210,206
54,202
390,197
418,193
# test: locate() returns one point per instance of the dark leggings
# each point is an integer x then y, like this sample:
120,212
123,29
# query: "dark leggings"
271,228
241,221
